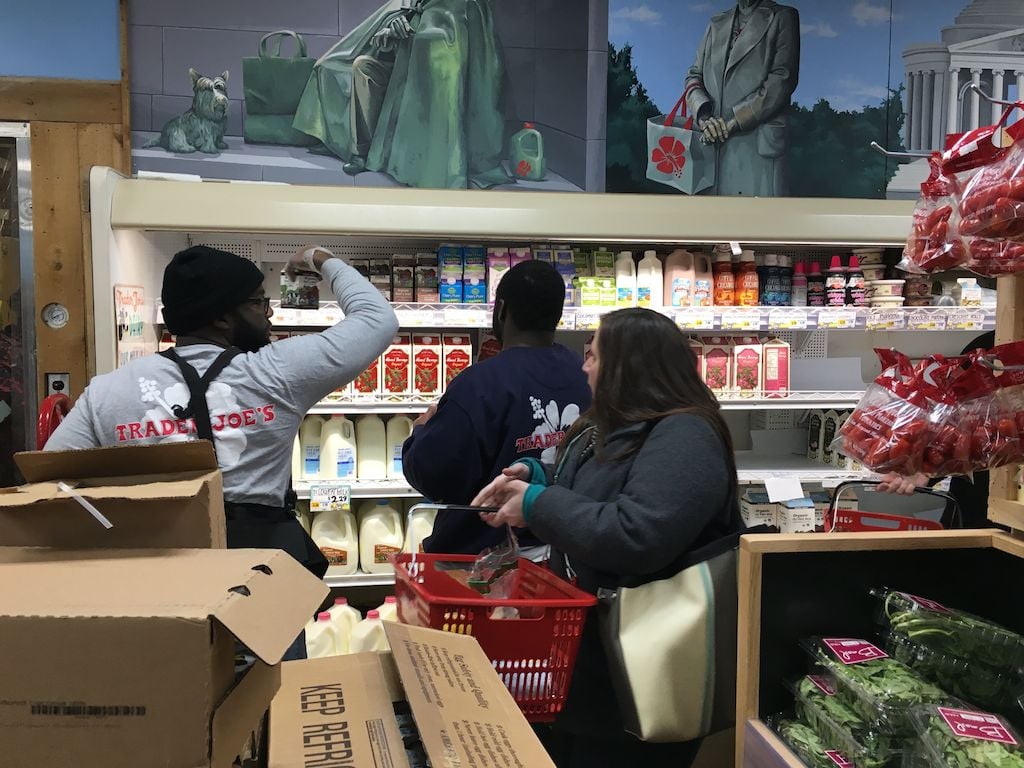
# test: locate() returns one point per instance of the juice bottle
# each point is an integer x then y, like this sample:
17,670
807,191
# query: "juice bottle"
748,285
725,281
679,278
835,284
816,287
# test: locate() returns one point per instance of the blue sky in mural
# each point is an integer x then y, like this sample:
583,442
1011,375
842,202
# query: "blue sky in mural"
845,51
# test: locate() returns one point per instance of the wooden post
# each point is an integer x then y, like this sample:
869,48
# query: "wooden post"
1003,507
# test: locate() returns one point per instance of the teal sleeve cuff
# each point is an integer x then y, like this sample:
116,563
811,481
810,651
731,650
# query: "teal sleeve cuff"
529,498
537,474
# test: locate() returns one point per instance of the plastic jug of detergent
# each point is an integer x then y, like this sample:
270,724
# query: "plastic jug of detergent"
335,534
650,281
321,637
419,525
338,449
398,430
388,610
680,277
371,441
345,618
625,280
368,635
526,153
380,535
309,437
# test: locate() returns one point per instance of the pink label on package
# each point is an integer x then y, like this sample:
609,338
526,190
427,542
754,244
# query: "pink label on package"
838,758
823,684
976,725
924,602
851,651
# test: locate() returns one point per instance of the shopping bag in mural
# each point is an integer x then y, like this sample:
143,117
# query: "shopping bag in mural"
675,154
273,85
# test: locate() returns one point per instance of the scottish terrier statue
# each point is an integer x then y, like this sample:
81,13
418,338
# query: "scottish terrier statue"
200,128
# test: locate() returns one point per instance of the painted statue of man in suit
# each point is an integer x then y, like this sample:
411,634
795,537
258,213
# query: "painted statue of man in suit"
739,89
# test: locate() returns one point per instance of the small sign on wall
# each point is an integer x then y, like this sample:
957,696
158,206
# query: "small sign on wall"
136,335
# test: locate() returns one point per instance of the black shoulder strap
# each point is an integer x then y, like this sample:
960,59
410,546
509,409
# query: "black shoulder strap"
198,409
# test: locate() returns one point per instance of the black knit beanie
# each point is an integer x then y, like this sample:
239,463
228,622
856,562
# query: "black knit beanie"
202,284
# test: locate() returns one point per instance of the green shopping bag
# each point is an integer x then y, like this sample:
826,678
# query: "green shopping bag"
273,86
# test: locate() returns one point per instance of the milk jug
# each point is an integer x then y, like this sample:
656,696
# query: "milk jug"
680,277
309,437
526,153
297,469
650,281
345,618
368,635
321,637
703,281
625,280
338,449
335,534
380,535
419,525
388,610
398,430
372,449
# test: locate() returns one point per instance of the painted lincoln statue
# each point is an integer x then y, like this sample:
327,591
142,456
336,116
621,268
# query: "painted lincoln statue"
739,88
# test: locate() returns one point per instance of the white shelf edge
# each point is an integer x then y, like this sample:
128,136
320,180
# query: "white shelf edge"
360,579
369,489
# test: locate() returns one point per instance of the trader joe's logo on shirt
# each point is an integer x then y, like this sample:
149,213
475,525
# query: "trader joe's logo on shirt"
550,431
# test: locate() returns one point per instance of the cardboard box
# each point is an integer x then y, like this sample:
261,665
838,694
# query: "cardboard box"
757,510
747,366
718,363
118,659
797,516
458,355
426,366
396,375
340,711
168,495
776,368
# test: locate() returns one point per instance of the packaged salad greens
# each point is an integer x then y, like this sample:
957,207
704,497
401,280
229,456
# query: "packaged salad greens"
879,688
962,738
808,746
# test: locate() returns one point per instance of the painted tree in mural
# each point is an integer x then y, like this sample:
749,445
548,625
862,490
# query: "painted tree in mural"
629,107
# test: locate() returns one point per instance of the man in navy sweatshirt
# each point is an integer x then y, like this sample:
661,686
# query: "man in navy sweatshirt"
515,405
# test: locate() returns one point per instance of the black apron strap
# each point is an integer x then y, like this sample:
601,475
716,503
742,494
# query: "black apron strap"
198,409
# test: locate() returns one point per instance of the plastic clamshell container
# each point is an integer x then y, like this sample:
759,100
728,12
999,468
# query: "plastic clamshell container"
882,288
878,687
839,724
806,743
953,736
873,272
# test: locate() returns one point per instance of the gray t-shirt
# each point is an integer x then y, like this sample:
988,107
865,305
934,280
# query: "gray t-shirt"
256,404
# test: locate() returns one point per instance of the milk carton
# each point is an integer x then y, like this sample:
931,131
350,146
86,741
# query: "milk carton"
403,279
757,510
449,260
544,253
380,536
609,293
498,263
697,347
321,637
797,516
371,448
427,291
474,274
590,292
718,364
489,346
519,255
603,263
458,355
566,266
368,635
747,366
775,380
426,351
369,382
335,534
829,430
583,262
397,368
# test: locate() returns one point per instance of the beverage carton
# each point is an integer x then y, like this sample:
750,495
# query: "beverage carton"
566,266
498,263
544,253
583,262
697,347
301,291
458,355
747,366
449,263
589,292
519,255
369,382
427,291
426,377
489,346
380,276
756,509
718,364
403,280
397,370
815,427
776,368
609,292
797,516
603,263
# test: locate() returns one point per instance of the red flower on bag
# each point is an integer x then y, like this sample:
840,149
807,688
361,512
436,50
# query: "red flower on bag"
669,156
524,168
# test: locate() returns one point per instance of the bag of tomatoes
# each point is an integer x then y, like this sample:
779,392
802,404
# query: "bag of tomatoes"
993,258
889,429
991,397
947,450
932,245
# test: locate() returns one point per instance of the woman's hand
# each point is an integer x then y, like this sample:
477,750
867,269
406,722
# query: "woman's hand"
495,492
510,508
902,486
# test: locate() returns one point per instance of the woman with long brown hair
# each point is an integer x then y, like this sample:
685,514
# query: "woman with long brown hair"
646,477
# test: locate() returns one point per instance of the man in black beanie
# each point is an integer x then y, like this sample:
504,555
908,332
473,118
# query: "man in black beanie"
226,383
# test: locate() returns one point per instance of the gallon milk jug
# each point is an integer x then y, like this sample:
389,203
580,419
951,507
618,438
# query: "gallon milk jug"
380,535
625,280
335,534
420,524
368,635
388,610
345,618
309,437
398,430
526,153
371,441
703,281
297,469
650,281
321,637
679,279
338,449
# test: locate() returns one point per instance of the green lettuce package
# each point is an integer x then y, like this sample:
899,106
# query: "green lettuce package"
964,738
807,744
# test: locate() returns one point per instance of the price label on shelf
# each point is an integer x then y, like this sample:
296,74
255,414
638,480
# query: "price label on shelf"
787,320
330,313
837,319
967,320
330,497
416,318
741,320
285,317
567,322
466,317
587,319
886,320
922,320
696,319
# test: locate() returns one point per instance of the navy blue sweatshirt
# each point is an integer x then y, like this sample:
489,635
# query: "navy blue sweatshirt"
512,406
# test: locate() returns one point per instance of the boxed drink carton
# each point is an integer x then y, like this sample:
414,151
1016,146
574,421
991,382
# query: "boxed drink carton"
474,274
756,509
426,376
397,369
815,427
775,379
829,430
427,279
167,495
370,381
566,267
797,516
609,293
458,355
300,291
380,276
474,290
822,499
449,260
590,292
498,263
124,658
519,255
697,347
362,266
403,281
544,253
450,705
718,363
583,261
603,263
450,290
747,366
489,346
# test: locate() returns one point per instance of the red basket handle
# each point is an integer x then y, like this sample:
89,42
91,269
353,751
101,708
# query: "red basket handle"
51,414
671,116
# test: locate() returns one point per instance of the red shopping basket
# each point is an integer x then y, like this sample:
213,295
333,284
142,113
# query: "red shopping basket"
846,520
533,654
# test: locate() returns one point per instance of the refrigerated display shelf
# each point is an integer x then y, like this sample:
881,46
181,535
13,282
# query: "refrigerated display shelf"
757,468
359,579
368,489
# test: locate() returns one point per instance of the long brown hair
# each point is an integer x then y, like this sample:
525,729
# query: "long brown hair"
647,371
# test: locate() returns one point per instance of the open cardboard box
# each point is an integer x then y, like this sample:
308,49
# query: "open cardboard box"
340,710
126,658
165,496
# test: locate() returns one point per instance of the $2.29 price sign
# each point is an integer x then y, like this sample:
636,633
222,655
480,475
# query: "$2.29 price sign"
330,497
